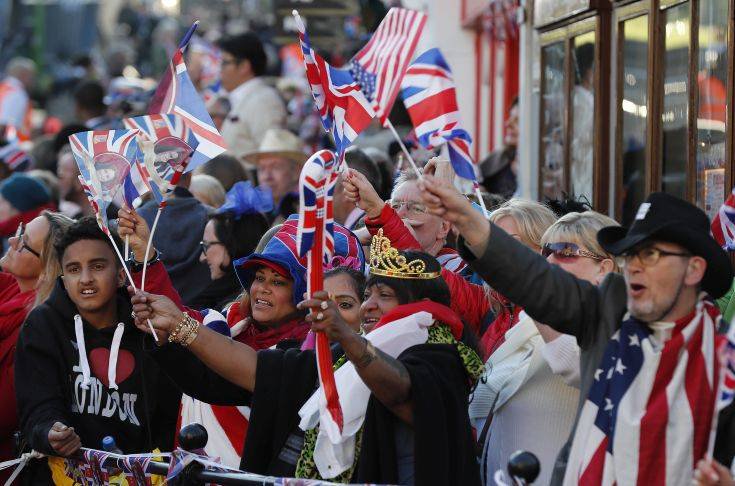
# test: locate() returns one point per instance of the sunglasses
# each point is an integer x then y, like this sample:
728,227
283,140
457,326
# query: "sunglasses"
567,251
23,245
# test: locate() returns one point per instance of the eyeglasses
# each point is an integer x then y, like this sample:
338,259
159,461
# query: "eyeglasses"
648,256
23,245
411,207
206,245
567,251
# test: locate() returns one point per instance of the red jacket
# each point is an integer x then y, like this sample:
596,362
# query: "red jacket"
14,308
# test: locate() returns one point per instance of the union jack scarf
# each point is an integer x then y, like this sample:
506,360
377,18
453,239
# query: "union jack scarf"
652,405
315,238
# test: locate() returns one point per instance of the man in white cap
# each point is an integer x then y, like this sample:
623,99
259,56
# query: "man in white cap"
278,163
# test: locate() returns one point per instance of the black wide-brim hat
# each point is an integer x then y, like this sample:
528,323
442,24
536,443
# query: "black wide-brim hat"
667,218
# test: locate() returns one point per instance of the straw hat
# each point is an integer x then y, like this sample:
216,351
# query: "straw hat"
278,142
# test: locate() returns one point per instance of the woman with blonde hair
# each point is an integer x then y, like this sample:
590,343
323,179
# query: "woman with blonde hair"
207,190
527,399
29,271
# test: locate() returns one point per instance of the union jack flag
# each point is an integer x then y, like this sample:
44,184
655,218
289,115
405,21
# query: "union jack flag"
104,158
101,216
650,411
342,106
177,94
315,239
316,194
431,100
173,144
723,225
380,65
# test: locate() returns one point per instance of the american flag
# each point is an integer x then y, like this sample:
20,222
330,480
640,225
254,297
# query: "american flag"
380,65
177,94
650,411
430,97
342,106
314,239
723,225
173,144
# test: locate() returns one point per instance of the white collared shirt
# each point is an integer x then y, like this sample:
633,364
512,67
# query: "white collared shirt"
242,91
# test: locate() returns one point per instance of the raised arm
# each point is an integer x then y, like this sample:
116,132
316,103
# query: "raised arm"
234,361
387,378
132,226
546,292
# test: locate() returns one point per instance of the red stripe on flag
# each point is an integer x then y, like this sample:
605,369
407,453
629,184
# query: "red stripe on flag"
652,442
593,472
234,424
700,393
435,106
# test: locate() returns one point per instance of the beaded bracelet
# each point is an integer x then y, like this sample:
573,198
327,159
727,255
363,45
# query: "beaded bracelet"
186,331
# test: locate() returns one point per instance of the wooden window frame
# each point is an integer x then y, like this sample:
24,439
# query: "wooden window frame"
599,23
654,141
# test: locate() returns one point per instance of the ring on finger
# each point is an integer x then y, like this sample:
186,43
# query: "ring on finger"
319,316
324,305
133,315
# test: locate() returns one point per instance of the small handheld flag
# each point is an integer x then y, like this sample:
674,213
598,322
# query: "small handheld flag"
723,224
315,239
176,94
343,108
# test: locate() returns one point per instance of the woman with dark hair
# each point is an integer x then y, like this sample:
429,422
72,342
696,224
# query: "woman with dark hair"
260,312
404,387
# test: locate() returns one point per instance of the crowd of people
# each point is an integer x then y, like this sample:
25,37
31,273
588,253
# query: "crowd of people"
457,337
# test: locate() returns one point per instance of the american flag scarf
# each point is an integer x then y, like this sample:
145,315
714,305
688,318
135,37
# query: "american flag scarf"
315,238
649,413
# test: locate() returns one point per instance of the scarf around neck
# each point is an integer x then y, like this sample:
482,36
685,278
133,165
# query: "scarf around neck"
258,337
650,409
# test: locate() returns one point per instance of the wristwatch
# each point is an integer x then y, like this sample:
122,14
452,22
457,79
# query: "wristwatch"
136,266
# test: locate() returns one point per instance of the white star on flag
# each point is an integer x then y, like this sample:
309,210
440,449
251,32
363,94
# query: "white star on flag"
634,341
620,367
608,405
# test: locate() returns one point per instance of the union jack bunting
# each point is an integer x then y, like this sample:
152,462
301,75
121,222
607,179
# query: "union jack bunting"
651,407
431,100
104,158
723,225
314,238
342,106
380,65
173,144
177,94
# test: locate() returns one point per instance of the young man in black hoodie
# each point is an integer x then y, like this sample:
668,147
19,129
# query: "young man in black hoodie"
81,372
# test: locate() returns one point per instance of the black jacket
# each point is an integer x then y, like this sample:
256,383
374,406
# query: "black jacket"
141,414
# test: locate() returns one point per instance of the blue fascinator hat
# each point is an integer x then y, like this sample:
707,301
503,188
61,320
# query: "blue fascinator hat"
243,198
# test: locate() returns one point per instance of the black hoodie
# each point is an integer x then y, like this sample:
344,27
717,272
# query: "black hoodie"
49,375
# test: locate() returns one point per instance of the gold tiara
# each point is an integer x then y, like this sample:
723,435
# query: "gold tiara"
388,262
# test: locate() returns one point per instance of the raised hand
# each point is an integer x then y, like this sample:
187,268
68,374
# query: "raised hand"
442,199
360,191
132,225
63,440
325,317
159,309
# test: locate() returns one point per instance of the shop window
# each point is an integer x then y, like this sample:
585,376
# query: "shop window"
712,105
581,149
675,107
633,106
553,58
